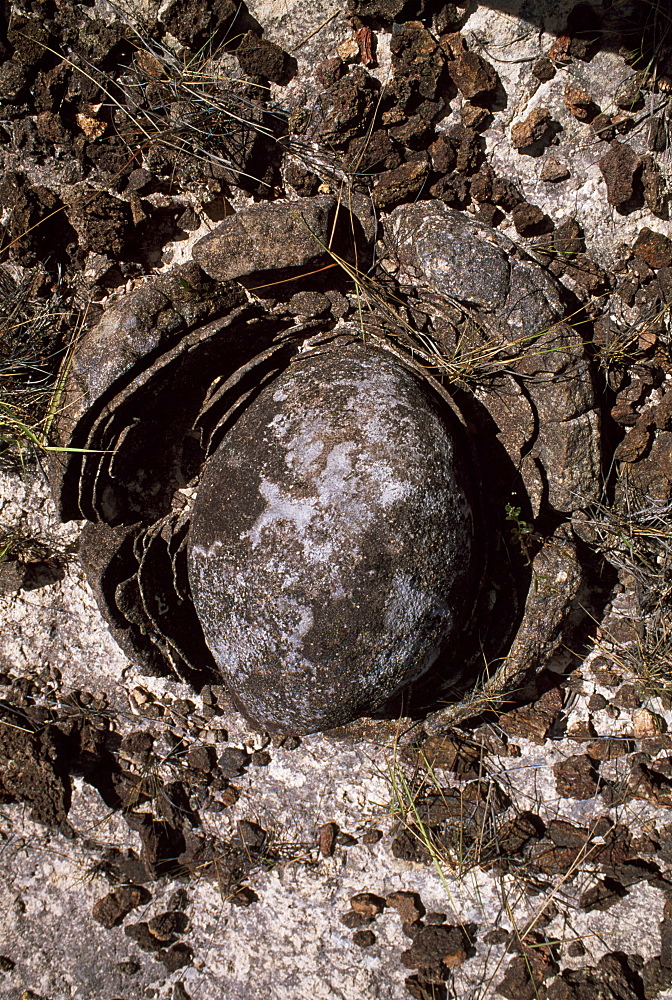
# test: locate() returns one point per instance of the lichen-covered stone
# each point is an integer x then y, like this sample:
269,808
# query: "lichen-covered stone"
331,541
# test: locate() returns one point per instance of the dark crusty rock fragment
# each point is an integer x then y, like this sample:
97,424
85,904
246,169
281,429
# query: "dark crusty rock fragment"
525,974
553,171
620,168
140,933
452,189
653,186
472,75
33,769
530,220
533,721
260,57
543,69
382,10
13,78
436,945
102,222
194,23
417,57
364,939
654,248
330,542
373,153
576,777
326,838
347,106
613,978
367,904
580,103
531,130
407,904
176,957
602,895
111,909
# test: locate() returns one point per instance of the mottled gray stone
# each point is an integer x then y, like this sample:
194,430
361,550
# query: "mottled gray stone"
453,255
331,540
268,237
515,301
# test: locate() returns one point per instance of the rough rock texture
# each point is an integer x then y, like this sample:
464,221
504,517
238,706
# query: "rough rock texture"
532,130
619,167
259,57
331,571
472,75
268,237
467,261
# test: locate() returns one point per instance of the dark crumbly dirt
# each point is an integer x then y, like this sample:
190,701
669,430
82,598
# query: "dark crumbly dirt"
109,166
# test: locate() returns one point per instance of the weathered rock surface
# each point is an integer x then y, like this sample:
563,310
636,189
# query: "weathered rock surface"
268,237
464,260
330,542
620,167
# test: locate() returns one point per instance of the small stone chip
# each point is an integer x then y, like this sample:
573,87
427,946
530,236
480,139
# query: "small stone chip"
368,904
372,836
532,129
176,957
472,75
111,909
353,919
576,777
326,839
201,758
401,184
232,760
434,945
364,938
654,248
620,167
579,102
530,220
407,904
553,171
164,925
142,936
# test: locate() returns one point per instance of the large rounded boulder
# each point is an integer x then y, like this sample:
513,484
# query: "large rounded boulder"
330,551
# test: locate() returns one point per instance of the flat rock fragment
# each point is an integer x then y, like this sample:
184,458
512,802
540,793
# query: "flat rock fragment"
347,107
416,58
473,76
553,171
532,130
620,168
260,57
268,237
401,183
330,544
654,248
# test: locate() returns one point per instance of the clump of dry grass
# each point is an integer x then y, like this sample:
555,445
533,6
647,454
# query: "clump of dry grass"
32,334
636,537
